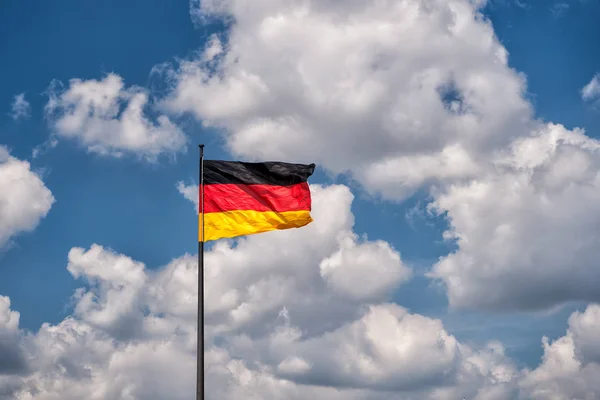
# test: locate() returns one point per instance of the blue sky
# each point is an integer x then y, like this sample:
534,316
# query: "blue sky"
70,40
134,208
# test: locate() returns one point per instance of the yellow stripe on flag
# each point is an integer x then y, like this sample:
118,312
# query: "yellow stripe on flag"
228,224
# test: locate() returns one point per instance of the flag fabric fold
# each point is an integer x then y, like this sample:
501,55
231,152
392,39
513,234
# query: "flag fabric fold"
242,198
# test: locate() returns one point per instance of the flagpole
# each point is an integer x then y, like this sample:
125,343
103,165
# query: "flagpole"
200,344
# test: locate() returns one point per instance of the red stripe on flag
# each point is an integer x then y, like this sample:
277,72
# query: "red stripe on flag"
230,197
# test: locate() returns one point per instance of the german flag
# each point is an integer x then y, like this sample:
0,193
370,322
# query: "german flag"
242,198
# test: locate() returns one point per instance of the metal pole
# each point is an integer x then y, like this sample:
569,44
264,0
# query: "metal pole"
200,345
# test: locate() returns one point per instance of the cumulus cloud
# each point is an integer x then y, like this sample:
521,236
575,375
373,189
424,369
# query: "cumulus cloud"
274,329
73,360
109,119
24,199
292,276
399,93
114,300
20,107
570,365
407,95
374,264
12,359
527,235
295,335
591,90
386,349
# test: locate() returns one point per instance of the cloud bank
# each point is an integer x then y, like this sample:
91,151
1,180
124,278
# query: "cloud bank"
274,329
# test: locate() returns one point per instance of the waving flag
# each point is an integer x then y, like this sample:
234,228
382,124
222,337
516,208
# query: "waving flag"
241,198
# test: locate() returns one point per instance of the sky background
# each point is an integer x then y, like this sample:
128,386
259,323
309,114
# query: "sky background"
135,208
72,39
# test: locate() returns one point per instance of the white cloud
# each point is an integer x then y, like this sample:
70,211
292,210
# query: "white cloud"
109,119
114,300
584,328
24,199
20,107
407,95
567,370
12,359
274,330
249,288
386,349
190,192
527,234
374,264
97,353
9,320
357,86
75,361
591,90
